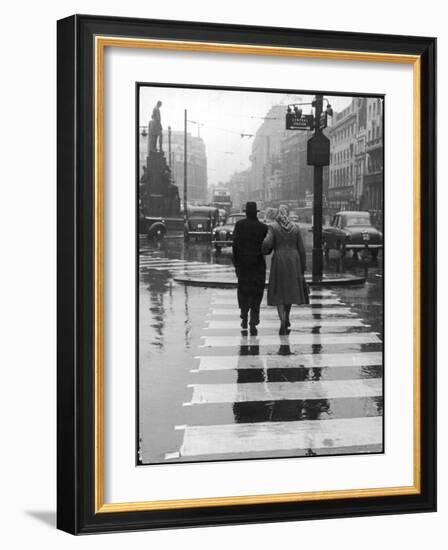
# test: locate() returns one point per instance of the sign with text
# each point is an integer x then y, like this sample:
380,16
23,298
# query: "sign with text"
303,122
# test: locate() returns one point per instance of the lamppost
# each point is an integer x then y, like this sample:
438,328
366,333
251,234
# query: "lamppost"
185,167
318,155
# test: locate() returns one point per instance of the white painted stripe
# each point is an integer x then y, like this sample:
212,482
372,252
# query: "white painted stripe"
204,268
271,311
318,293
171,456
281,436
171,267
315,300
302,323
163,261
303,339
277,391
318,360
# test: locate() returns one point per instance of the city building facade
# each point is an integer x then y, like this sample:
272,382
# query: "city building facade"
196,166
374,176
266,151
279,171
343,139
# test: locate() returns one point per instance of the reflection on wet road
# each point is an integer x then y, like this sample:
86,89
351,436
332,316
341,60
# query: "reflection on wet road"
210,392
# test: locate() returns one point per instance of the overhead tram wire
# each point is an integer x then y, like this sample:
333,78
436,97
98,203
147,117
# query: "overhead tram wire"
241,134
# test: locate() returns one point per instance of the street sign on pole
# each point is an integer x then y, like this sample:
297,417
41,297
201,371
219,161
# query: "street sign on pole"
302,122
323,121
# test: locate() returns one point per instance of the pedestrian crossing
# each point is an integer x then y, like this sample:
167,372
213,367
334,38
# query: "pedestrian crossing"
330,389
307,361
325,378
173,266
269,437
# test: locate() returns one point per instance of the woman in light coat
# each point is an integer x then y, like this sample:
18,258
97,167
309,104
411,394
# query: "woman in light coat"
286,279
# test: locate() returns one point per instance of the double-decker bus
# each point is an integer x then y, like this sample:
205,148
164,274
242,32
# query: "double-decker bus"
221,199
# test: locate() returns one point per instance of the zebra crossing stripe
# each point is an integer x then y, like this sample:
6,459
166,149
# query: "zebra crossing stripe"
313,300
303,339
163,261
281,436
191,268
271,312
321,293
206,267
277,391
303,323
319,360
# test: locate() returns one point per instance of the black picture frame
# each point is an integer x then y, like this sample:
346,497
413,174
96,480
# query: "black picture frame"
77,512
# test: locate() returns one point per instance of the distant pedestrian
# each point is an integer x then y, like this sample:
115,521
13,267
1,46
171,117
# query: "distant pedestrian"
250,266
270,215
286,280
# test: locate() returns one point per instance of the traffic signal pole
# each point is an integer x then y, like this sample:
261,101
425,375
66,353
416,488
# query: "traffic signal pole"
318,156
317,202
185,167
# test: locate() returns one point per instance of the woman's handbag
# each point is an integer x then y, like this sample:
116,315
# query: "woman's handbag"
306,291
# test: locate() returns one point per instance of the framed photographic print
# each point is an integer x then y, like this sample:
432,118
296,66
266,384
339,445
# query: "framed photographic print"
246,274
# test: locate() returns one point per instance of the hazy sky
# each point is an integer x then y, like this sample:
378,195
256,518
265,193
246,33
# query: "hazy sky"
222,116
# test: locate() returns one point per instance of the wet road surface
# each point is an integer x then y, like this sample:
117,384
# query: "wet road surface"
207,391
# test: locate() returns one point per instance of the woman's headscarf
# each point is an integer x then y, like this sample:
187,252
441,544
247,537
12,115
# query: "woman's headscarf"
282,218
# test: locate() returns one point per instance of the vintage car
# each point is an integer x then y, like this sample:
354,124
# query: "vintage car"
350,230
153,227
200,222
223,234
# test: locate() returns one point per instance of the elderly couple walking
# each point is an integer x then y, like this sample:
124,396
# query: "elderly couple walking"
252,240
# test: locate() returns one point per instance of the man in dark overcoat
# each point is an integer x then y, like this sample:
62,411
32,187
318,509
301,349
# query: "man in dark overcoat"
250,266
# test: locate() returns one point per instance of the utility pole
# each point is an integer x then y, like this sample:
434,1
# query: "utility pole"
169,146
185,167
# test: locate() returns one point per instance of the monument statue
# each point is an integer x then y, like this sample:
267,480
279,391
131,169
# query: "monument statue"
155,129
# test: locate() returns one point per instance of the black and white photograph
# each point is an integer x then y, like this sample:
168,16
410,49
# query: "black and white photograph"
259,274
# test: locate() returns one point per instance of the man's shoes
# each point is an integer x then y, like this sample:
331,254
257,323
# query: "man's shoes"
244,324
253,330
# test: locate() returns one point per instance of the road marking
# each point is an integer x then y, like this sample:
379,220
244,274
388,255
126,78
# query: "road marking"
171,456
314,300
281,436
163,261
278,391
303,323
303,339
208,267
363,359
271,311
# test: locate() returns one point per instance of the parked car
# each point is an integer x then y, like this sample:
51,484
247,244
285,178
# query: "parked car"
153,227
200,222
223,234
350,230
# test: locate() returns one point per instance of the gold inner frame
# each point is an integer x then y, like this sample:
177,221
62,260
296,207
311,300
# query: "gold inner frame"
101,42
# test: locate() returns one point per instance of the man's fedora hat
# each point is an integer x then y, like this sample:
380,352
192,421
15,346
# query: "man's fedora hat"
251,208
